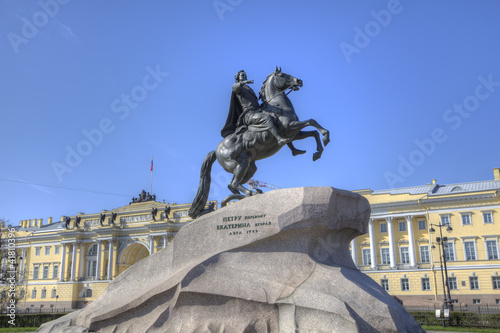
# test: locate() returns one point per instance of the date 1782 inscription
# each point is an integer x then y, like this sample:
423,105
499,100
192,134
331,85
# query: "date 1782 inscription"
239,225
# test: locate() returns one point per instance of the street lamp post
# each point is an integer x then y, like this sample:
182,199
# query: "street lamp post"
448,304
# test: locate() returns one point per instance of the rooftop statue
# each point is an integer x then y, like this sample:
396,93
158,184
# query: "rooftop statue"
256,131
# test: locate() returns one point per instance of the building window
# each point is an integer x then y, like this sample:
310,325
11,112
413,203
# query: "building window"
424,253
449,251
44,293
473,282
386,258
33,293
497,301
405,255
88,293
55,272
36,272
57,249
385,284
383,227
366,257
3,294
38,250
21,294
466,220
405,284
492,249
470,250
426,284
161,242
452,283
476,301
402,226
496,282
92,250
445,219
422,225
53,293
45,274
487,217
47,250
91,268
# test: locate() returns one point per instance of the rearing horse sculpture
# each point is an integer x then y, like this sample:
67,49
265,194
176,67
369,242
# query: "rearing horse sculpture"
238,151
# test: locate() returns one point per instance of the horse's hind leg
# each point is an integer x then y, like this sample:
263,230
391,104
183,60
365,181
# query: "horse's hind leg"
239,173
252,169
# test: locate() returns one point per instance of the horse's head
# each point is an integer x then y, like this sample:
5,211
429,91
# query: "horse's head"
277,82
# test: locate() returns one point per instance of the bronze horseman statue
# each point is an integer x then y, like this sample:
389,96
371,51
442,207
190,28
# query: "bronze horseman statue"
253,132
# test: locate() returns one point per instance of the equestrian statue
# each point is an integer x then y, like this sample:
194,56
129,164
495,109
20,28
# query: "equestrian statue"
256,131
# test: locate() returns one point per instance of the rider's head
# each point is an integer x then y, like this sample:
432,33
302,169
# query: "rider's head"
240,76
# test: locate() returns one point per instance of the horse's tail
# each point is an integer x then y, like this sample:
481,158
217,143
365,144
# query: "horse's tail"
201,197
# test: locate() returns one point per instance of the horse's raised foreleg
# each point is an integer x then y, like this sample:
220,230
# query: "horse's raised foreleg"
307,134
311,122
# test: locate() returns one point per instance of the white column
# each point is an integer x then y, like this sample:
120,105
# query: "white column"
81,273
63,261
373,254
392,249
151,244
354,251
73,263
165,241
98,262
110,260
22,269
411,239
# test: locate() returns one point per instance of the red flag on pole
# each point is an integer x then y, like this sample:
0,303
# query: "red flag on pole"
151,164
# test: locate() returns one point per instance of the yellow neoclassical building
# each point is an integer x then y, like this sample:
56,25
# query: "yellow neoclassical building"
68,263
410,229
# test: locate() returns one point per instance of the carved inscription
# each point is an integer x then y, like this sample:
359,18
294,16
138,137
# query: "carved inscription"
240,224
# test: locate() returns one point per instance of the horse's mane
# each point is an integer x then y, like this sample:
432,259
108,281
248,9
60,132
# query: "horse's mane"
262,93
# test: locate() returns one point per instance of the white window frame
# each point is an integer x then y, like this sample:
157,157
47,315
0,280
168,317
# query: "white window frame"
403,283
451,245
495,240
495,282
55,271
428,254
455,284
466,216
90,252
445,219
490,212
38,250
473,241
383,225
33,293
385,284
53,293
426,284
366,258
406,256
402,226
43,293
47,250
92,268
36,271
420,226
45,271
57,249
385,254
476,279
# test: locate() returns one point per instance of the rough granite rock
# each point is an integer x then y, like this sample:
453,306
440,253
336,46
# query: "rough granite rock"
275,262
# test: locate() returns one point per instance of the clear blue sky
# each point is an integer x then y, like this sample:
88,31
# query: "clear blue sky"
410,91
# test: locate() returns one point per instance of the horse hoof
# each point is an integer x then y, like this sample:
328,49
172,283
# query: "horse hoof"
326,139
316,156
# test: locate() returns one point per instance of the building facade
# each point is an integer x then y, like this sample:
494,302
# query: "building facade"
68,263
403,252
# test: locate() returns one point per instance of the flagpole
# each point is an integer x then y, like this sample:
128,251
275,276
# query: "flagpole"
151,186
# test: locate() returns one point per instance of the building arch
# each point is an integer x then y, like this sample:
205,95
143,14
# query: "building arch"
132,253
